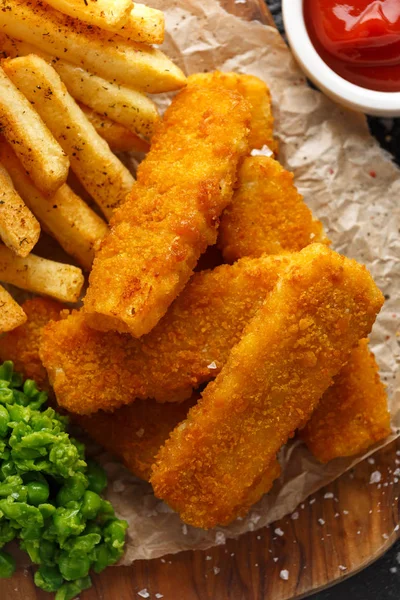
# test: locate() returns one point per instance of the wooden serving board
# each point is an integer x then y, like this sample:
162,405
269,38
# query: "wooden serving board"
334,534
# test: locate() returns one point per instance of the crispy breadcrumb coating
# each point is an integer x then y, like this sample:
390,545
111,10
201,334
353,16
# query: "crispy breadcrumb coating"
257,94
92,370
135,433
267,213
22,344
172,215
353,414
217,462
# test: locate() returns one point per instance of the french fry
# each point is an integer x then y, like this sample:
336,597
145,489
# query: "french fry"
103,13
138,24
118,137
101,173
109,56
41,276
19,229
125,106
40,154
11,314
65,216
144,24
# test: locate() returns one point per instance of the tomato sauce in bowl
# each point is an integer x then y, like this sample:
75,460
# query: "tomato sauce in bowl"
358,39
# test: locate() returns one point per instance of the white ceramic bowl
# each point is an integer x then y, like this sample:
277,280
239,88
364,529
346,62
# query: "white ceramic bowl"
384,104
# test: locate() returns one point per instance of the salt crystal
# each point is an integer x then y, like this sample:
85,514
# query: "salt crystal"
216,570
345,512
233,554
295,516
259,537
220,538
265,150
385,536
328,495
212,365
302,506
337,515
256,565
376,476
321,521
159,596
208,557
163,560
284,574
342,568
397,527
279,531
184,529
275,559
393,569
312,501
371,461
398,452
358,532
144,593
140,432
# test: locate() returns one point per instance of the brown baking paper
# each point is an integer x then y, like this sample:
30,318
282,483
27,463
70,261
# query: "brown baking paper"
350,184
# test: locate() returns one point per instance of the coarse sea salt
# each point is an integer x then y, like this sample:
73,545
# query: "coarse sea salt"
159,595
212,365
295,516
376,476
216,570
328,495
144,593
279,531
220,538
321,521
140,432
284,574
342,568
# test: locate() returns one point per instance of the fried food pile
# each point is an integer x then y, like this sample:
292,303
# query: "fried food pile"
74,83
196,378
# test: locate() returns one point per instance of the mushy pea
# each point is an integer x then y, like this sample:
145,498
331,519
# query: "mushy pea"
50,495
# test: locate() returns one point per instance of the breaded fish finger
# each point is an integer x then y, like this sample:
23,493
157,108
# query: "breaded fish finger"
22,344
353,413
134,433
92,370
218,462
267,213
159,233
257,94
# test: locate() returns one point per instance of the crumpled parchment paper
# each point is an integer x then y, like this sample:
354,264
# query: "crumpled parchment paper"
350,184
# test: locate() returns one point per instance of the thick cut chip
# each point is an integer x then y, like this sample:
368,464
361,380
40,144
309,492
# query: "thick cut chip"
109,56
101,173
144,24
353,414
118,137
92,370
41,276
159,233
11,314
22,345
65,216
125,106
19,229
218,462
40,154
267,213
103,13
257,94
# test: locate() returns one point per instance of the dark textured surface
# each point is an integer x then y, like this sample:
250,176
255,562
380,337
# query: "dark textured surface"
380,581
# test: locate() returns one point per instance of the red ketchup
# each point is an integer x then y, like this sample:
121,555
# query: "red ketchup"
358,39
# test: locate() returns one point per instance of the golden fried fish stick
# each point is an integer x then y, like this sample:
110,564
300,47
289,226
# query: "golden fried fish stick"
217,462
135,433
353,413
257,94
22,344
92,370
159,233
267,213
